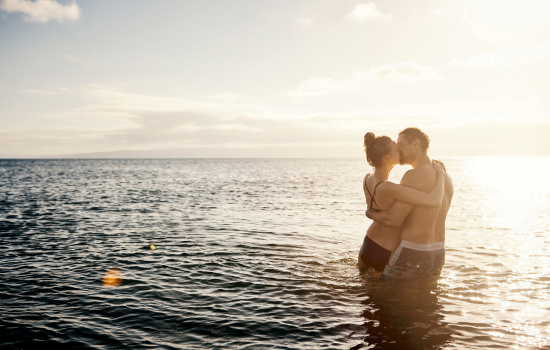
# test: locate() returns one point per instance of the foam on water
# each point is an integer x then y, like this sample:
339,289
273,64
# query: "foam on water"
261,253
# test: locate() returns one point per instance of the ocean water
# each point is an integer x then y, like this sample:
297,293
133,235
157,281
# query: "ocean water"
261,254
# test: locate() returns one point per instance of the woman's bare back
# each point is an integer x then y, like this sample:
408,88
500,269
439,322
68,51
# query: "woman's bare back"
386,237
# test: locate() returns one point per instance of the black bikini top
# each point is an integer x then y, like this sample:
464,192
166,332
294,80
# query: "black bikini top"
372,195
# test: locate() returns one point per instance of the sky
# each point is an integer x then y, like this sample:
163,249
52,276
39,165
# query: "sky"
279,78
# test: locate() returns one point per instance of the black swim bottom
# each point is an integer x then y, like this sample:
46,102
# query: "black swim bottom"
415,260
374,255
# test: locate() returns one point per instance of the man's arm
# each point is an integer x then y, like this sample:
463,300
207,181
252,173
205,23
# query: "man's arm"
395,216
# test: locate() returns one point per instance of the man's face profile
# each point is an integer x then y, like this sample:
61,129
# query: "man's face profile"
405,151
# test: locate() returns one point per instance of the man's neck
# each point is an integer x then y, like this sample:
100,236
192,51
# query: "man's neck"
421,159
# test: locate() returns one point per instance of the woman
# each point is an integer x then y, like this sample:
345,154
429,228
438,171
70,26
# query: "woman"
380,194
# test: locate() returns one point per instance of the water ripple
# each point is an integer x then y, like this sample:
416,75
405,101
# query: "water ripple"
256,254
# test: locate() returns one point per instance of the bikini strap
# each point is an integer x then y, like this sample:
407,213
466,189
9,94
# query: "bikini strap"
377,186
372,195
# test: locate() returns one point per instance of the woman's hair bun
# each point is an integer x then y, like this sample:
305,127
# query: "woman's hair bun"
369,140
376,148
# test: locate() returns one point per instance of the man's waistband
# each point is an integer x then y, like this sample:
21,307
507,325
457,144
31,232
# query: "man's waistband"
423,247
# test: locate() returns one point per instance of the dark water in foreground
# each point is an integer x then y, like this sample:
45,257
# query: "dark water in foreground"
260,254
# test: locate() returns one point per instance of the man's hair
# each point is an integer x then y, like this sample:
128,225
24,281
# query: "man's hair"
413,133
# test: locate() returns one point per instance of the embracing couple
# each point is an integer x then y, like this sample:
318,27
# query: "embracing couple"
407,236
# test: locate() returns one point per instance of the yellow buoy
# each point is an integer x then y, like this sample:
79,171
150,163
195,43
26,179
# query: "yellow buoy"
112,278
152,247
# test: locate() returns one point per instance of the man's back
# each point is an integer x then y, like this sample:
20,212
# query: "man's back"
425,224
444,209
419,226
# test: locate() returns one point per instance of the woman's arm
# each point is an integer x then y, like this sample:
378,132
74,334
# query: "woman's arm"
411,196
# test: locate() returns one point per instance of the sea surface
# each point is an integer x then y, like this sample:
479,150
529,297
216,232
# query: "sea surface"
261,254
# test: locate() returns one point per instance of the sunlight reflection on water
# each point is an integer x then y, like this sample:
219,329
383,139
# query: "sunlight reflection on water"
508,201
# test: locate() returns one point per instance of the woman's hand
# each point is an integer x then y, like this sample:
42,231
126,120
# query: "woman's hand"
439,165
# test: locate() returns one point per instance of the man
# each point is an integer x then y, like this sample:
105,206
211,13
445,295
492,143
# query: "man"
421,252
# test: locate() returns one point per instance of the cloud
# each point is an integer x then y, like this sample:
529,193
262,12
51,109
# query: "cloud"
75,59
306,22
404,73
42,10
226,97
483,110
362,12
110,119
321,86
399,73
527,54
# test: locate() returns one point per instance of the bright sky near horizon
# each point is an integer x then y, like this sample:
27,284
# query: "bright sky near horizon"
273,78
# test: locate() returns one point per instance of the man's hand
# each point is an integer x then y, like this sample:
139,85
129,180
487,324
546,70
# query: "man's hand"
368,213
382,217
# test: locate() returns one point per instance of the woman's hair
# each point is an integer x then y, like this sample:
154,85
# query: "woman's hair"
376,148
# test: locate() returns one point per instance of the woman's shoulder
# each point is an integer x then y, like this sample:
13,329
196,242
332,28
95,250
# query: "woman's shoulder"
385,185
372,180
366,179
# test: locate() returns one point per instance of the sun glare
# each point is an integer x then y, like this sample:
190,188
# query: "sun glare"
112,278
513,177
509,17
511,185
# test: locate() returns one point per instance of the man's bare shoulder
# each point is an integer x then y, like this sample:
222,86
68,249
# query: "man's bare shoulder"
419,178
449,188
410,178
